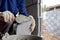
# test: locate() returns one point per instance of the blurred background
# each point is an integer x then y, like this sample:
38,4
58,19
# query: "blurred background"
49,7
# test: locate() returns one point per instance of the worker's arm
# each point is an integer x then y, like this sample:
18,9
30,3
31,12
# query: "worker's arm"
22,7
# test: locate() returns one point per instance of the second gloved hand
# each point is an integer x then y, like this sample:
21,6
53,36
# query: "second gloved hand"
8,16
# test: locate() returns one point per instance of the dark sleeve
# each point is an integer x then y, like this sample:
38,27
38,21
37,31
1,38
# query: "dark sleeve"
22,7
0,2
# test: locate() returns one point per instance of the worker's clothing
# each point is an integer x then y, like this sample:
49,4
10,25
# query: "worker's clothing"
13,6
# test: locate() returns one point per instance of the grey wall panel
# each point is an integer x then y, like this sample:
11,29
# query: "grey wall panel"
28,2
34,1
32,9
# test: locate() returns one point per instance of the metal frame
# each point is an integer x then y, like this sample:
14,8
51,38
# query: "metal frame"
39,17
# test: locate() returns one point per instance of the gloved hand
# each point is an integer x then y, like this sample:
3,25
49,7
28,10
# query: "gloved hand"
32,27
8,16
